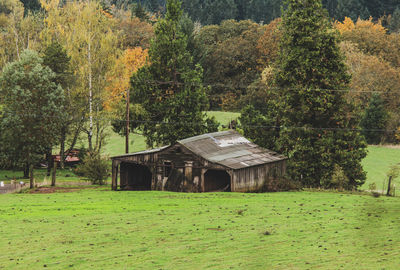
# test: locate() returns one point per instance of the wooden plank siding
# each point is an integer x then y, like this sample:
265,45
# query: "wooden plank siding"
209,162
192,168
259,178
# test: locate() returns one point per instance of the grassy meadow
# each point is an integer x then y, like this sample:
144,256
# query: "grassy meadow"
91,227
96,228
376,164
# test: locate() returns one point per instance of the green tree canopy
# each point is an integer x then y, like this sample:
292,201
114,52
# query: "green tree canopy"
229,54
32,110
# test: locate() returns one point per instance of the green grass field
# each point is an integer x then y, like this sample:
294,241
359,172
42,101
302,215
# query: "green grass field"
100,229
377,164
95,228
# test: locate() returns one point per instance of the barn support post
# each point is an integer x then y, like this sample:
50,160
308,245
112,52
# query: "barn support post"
203,172
114,183
231,173
189,170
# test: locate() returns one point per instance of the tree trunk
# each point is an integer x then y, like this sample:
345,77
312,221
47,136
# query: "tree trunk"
62,146
127,123
26,171
31,177
49,159
76,135
90,134
53,178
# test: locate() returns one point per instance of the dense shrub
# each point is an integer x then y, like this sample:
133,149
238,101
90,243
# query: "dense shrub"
282,183
339,178
94,167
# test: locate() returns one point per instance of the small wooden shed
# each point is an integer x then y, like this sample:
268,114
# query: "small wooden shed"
221,161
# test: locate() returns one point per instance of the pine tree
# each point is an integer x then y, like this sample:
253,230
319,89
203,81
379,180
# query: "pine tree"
374,120
310,65
169,89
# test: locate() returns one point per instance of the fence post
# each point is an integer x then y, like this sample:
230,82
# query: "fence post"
53,176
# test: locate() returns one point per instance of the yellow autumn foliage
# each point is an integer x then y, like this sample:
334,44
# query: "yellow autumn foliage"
119,77
348,25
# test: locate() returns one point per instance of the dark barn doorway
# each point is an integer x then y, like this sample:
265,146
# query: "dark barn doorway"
217,180
135,177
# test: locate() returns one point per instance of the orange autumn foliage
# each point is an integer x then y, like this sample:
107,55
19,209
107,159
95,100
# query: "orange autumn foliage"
371,38
268,44
345,26
367,25
119,79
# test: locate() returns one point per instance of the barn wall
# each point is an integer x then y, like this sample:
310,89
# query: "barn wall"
186,172
258,179
188,169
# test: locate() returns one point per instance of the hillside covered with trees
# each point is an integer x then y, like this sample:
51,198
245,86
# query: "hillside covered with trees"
154,67
215,11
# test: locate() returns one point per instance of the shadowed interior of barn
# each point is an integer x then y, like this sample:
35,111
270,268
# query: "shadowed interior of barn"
221,161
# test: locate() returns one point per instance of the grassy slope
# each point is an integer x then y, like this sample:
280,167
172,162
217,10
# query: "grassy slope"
100,229
224,117
377,163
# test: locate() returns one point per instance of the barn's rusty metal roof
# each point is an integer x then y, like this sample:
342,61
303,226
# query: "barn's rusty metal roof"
226,148
230,149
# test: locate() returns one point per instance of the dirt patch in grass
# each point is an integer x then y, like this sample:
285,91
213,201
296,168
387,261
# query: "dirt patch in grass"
46,190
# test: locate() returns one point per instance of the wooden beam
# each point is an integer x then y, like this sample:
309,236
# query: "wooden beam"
114,183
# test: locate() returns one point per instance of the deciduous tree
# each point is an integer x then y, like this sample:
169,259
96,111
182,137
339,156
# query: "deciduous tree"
17,32
32,112
118,88
371,38
86,32
229,58
268,44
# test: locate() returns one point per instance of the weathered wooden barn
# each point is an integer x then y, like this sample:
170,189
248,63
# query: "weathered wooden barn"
222,161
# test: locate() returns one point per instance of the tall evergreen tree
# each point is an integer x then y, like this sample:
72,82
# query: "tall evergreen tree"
169,89
310,66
